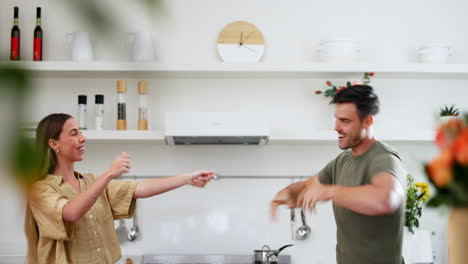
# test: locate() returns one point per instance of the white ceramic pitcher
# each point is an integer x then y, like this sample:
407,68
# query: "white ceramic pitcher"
81,46
142,49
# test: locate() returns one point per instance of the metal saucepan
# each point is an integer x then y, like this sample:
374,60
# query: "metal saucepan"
267,255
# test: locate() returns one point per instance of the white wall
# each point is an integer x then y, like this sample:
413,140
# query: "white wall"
231,216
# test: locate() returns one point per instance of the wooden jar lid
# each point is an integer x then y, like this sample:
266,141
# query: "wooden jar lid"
142,87
121,86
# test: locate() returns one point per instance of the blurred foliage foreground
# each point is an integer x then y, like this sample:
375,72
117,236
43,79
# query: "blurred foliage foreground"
18,151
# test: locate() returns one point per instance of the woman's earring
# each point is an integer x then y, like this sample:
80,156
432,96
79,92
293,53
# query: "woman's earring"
58,150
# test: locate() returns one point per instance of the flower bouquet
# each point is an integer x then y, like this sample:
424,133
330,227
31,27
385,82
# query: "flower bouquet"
449,171
416,194
333,89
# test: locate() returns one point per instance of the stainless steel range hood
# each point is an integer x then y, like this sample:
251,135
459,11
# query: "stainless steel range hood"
198,128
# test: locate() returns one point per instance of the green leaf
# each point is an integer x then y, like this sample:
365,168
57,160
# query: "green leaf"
153,4
449,111
439,199
459,192
25,160
92,13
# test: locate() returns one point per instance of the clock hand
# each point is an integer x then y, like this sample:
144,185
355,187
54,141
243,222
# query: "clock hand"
240,43
249,48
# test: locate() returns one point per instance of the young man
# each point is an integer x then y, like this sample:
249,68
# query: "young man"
365,183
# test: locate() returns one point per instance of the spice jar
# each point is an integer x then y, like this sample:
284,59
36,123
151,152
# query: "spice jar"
143,107
99,101
121,105
82,109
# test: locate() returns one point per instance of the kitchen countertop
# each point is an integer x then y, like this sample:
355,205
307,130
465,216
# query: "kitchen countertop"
5,259
135,258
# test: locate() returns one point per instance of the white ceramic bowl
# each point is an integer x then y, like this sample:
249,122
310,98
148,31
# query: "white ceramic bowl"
338,51
434,53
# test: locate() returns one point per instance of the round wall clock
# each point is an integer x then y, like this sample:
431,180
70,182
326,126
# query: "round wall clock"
241,42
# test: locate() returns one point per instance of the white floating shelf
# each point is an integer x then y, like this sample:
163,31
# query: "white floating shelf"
114,135
309,138
316,137
220,69
423,136
411,136
123,135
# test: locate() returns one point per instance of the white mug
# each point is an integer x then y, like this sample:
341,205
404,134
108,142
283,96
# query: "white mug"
81,47
142,49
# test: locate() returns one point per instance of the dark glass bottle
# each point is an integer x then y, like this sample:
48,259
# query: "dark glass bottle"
37,52
15,38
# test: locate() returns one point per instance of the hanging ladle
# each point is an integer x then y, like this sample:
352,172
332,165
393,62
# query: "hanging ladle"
303,232
133,233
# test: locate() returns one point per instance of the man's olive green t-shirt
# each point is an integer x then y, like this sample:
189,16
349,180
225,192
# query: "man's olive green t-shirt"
363,238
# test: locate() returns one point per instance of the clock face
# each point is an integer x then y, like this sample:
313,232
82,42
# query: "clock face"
240,42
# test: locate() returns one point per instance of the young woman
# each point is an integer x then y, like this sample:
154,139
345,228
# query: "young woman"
70,216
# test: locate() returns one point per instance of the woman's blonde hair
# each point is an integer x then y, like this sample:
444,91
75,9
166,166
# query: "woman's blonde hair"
49,127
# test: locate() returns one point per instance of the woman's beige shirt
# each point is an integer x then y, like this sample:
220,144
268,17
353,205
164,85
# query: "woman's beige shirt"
92,239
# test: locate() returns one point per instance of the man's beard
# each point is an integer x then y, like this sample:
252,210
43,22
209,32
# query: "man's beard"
353,141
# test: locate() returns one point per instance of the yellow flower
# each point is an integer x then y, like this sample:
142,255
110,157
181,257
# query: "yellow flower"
424,197
423,188
421,185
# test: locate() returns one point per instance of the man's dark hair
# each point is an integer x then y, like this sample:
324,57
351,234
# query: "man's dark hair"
363,96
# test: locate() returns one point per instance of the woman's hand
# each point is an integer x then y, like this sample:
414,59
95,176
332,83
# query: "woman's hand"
119,166
200,178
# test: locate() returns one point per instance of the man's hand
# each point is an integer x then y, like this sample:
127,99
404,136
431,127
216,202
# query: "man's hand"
285,196
313,192
288,196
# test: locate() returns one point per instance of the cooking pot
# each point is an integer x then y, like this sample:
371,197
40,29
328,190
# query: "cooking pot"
267,255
